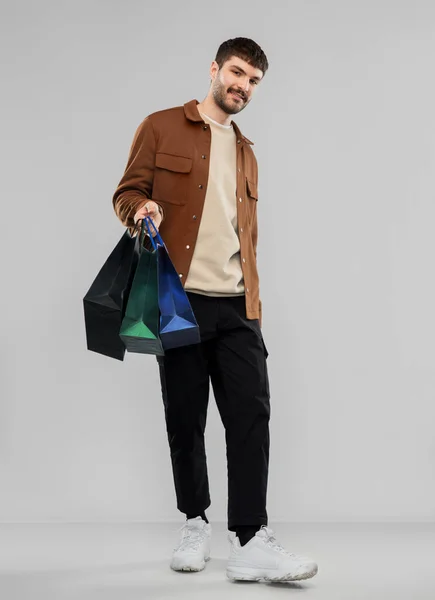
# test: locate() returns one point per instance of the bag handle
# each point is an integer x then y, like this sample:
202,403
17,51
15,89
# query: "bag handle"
148,221
140,234
140,227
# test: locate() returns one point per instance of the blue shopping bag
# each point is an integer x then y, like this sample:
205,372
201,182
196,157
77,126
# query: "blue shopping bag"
178,326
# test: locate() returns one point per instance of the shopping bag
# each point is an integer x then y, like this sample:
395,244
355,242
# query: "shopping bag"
140,326
178,326
105,302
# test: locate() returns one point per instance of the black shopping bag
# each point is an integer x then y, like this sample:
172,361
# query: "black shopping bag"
106,300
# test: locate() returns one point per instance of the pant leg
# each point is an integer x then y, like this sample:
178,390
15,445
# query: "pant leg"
241,388
184,377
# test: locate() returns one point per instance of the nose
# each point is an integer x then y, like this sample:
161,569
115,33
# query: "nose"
244,87
247,84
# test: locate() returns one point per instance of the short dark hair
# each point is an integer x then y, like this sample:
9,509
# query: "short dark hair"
243,48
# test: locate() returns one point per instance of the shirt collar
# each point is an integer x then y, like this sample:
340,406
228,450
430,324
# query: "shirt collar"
191,113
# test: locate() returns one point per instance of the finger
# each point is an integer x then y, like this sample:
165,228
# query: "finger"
151,208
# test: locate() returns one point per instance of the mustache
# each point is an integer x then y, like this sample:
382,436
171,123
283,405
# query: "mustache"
241,94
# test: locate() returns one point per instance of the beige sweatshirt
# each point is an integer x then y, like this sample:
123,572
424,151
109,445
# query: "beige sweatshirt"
215,269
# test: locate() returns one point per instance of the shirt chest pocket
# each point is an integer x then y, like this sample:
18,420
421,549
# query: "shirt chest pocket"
171,178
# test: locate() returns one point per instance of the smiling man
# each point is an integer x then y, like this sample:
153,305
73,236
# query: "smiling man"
192,170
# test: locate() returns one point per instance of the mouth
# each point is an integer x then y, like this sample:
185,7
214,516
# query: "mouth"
236,96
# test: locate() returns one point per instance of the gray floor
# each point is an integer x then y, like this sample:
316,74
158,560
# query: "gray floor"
130,561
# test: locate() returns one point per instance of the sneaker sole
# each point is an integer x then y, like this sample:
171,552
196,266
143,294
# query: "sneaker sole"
191,568
253,575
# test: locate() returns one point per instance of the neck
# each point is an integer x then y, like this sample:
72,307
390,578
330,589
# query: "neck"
209,107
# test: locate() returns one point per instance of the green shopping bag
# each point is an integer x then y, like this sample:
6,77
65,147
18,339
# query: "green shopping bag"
140,325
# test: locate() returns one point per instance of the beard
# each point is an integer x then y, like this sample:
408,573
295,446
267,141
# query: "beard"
225,101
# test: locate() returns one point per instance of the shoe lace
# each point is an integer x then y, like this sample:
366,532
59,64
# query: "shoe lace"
271,542
191,537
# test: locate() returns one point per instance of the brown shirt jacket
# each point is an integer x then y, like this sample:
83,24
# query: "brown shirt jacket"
169,164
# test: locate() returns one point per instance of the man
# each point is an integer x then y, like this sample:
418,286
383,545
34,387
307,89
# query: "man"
191,169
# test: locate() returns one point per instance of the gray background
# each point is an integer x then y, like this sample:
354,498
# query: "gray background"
343,126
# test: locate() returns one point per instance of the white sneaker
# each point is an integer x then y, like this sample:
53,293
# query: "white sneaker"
193,549
263,559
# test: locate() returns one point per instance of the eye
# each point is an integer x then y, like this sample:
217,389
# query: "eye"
254,81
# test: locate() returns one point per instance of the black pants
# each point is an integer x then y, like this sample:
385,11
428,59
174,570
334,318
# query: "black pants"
231,355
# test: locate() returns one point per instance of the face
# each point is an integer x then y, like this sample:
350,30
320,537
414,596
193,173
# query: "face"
234,84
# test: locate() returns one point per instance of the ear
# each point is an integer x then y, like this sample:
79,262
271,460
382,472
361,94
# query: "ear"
214,69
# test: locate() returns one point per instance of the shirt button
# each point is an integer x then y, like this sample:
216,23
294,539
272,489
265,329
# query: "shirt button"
194,217
238,141
187,247
244,260
200,186
238,169
180,275
247,290
241,229
205,127
240,199
203,156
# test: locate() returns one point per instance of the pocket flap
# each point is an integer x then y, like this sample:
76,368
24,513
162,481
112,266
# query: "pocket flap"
171,162
252,189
